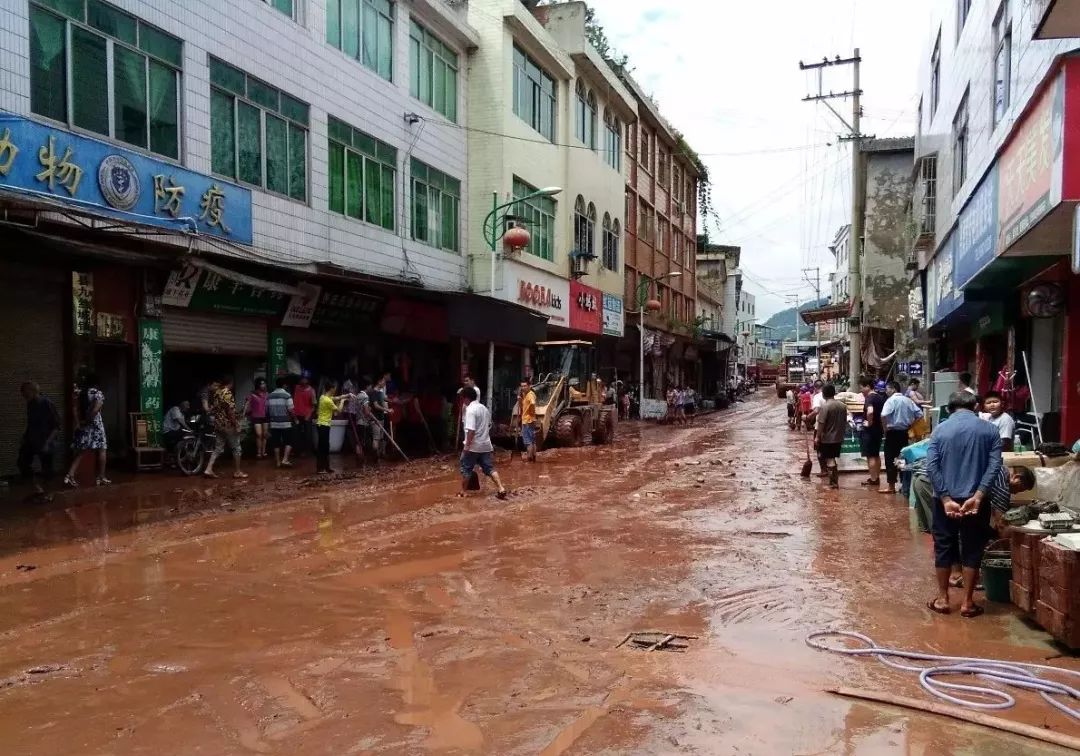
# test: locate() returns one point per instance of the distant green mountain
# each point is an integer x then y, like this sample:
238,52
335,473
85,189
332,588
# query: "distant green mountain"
783,323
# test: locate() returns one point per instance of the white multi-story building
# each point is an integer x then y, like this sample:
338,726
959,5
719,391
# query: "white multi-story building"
246,177
995,196
548,112
838,280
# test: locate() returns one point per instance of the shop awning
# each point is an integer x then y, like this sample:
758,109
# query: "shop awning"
482,319
826,314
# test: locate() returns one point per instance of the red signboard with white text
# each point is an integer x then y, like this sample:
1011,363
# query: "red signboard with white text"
586,308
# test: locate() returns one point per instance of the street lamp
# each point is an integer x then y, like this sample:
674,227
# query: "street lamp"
642,293
494,228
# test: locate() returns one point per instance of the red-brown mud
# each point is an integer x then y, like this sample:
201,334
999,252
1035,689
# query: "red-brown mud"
383,615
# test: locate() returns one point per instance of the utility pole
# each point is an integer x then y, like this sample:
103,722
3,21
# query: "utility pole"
858,193
816,283
789,299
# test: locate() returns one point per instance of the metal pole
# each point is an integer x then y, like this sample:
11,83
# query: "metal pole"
491,344
858,198
641,355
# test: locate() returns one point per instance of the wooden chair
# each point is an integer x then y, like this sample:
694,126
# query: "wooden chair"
147,455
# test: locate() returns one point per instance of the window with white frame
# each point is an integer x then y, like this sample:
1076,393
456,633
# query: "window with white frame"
612,140
433,71
288,7
436,199
963,10
534,95
610,252
1002,62
363,29
362,175
539,216
584,228
961,144
96,68
585,122
258,134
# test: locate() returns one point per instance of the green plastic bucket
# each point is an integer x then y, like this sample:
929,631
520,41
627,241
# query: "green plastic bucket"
996,574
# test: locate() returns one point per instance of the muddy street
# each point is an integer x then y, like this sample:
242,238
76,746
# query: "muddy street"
385,615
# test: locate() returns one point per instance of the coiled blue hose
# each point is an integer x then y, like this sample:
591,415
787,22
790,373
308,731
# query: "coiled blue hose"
1009,674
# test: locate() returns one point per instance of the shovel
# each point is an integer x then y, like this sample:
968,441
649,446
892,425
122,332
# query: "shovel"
808,465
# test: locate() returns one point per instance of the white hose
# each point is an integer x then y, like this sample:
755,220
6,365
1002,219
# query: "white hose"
1010,674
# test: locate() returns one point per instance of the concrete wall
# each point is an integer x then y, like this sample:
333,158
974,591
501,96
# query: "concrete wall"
967,65
496,159
885,242
295,57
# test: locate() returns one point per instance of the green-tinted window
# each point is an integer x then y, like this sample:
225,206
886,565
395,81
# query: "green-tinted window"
225,76
435,206
160,45
539,215
48,77
129,96
534,95
285,6
249,143
113,22
164,125
337,178
222,134
297,163
363,29
90,89
277,155
367,174
268,147
433,72
144,95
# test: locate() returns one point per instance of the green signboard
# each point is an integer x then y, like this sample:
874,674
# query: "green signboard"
276,360
200,289
151,347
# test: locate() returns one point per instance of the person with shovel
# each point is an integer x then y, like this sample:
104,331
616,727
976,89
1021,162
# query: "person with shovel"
478,450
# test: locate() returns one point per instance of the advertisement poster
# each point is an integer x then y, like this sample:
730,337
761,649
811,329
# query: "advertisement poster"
614,316
151,348
586,308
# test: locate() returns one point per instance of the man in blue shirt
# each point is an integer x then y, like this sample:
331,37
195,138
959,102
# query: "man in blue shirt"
897,415
963,462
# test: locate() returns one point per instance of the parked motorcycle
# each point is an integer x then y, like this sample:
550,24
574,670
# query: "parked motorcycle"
195,446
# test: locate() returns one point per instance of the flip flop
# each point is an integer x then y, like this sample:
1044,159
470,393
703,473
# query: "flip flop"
974,611
956,581
869,482
934,606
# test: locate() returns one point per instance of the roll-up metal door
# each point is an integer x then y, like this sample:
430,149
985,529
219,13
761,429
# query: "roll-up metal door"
32,335
208,333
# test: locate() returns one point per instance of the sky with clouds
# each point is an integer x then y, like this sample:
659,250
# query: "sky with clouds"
726,74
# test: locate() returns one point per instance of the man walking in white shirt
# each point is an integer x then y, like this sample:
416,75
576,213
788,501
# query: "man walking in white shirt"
478,451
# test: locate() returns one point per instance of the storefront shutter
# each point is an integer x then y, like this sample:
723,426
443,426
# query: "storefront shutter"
210,333
31,331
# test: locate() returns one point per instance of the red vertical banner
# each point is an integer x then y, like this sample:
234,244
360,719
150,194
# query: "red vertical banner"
1070,366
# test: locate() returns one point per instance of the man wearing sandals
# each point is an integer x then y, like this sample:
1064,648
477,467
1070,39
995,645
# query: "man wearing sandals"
963,462
226,427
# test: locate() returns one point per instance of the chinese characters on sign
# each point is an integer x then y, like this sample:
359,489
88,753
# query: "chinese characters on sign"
1027,167
151,348
613,315
585,314
8,153
63,170
43,158
167,199
82,303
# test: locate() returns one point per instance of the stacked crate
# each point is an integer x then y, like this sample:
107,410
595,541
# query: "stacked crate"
1057,607
1024,586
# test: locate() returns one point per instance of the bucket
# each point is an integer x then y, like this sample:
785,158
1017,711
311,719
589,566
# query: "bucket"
996,574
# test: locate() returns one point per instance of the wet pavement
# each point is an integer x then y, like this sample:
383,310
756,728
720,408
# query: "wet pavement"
381,614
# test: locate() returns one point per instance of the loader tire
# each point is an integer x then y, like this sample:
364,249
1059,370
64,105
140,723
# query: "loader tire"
605,427
568,430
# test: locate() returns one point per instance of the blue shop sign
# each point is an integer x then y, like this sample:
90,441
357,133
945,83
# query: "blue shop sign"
942,296
976,231
119,183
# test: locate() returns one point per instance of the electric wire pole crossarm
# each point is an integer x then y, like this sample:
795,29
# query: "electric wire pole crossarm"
494,227
858,194
642,296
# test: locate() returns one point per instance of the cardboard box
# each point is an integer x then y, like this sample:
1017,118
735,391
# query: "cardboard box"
1064,629
1059,566
1021,597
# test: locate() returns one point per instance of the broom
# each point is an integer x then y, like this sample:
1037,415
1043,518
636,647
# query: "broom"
808,465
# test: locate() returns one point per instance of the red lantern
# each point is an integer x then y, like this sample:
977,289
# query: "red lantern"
653,305
516,238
